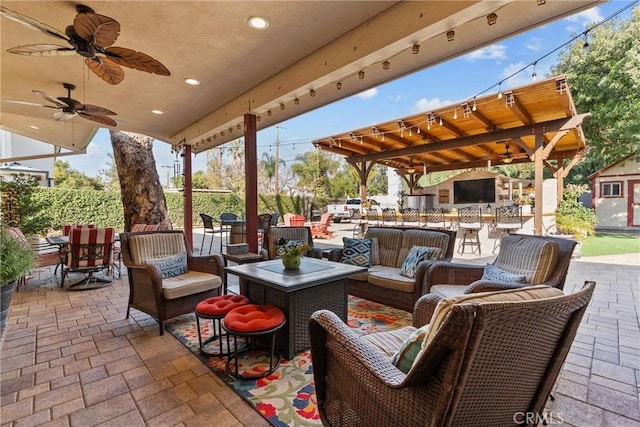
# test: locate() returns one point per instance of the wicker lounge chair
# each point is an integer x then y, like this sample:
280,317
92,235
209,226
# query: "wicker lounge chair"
487,364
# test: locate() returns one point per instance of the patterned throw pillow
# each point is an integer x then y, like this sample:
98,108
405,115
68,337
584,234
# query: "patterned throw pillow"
171,266
416,255
494,274
283,245
356,252
410,348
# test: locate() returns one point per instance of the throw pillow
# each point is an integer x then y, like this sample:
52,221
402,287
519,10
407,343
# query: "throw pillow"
405,356
356,252
495,274
284,245
170,266
416,255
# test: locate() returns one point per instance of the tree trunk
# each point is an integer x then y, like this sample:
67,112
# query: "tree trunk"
140,189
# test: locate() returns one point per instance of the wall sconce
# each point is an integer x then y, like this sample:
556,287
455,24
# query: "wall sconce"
361,74
415,49
450,35
296,101
492,18
339,85
386,65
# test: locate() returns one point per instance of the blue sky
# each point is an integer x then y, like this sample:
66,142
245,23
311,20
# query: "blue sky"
453,81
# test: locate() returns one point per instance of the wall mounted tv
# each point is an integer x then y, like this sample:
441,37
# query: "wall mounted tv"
474,191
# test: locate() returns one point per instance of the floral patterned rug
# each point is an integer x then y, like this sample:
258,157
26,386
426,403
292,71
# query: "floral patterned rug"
286,397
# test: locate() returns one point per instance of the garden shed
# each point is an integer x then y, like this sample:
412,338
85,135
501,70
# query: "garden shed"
615,191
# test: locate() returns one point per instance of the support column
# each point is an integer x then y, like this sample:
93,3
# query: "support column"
188,197
251,181
560,176
538,168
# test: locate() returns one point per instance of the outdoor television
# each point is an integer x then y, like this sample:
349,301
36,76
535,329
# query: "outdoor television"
474,191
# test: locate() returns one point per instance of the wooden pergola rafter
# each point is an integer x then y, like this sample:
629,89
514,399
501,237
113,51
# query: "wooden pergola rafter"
533,123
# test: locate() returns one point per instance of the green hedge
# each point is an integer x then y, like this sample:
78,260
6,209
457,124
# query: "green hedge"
104,208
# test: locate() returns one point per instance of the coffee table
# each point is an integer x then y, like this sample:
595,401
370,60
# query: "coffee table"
317,284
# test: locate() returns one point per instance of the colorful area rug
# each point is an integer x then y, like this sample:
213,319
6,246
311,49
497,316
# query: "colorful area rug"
287,397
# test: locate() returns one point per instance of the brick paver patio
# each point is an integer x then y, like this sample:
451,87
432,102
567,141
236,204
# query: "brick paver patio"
72,359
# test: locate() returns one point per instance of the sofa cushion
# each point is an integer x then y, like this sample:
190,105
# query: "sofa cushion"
170,266
189,283
388,342
511,295
447,291
494,274
390,278
356,252
533,258
415,256
389,240
411,238
156,245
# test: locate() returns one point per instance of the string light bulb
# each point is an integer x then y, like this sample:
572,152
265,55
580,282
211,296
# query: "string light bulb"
415,49
500,90
312,93
296,101
281,106
339,85
455,113
361,74
386,65
585,46
475,107
534,75
492,18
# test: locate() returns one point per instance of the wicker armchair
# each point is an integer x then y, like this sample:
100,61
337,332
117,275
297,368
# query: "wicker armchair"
476,370
173,295
303,234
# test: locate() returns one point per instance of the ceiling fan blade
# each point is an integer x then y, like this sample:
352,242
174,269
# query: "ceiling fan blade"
107,121
93,110
107,70
98,29
32,23
61,115
42,50
35,104
59,103
136,60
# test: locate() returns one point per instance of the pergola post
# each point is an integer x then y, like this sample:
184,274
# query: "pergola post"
560,173
188,197
251,181
538,168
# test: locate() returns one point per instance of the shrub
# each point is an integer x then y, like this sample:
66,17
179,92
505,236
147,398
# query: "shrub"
572,217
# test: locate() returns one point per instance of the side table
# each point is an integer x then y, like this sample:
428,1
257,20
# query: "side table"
239,259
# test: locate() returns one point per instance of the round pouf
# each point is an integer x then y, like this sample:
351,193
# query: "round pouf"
215,308
251,321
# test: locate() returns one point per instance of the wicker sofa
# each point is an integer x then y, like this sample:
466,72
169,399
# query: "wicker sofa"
383,282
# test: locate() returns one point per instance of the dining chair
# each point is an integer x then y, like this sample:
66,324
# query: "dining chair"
264,223
434,218
90,251
389,216
470,224
508,219
209,228
411,217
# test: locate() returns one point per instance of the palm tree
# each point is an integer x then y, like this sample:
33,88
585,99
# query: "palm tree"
268,164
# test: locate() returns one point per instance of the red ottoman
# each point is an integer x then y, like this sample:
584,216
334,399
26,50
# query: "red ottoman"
215,308
251,321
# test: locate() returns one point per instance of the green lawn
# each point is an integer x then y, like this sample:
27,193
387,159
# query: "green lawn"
610,244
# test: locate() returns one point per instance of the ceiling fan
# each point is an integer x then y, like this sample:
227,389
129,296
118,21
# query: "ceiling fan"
89,36
71,108
507,157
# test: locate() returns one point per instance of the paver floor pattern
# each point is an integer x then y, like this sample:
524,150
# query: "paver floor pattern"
72,359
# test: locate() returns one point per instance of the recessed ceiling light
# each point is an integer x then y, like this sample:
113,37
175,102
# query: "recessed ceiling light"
157,112
258,22
34,127
192,82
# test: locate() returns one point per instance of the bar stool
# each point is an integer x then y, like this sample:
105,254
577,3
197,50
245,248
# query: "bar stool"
470,223
215,308
252,321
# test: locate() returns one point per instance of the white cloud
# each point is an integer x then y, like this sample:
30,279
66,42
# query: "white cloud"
396,98
519,79
494,51
586,17
368,94
429,104
534,44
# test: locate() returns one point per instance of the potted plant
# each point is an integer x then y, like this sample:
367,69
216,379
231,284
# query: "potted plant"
573,219
16,260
